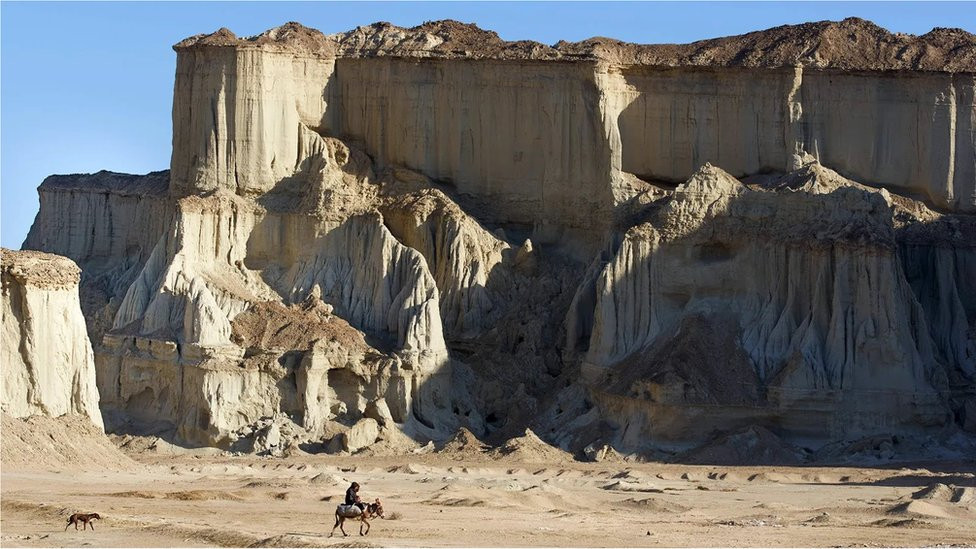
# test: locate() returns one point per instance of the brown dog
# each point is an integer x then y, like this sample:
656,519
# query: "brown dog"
84,518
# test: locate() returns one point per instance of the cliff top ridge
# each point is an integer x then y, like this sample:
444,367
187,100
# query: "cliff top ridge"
850,44
151,184
39,269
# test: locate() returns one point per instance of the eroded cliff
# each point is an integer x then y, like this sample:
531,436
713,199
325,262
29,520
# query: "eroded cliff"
782,300
48,366
399,231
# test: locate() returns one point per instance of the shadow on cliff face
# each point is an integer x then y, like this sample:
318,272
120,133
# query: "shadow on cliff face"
502,300
703,358
543,165
938,258
779,308
786,309
708,116
352,263
714,365
518,367
511,365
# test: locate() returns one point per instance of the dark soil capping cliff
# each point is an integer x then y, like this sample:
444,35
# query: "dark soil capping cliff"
852,44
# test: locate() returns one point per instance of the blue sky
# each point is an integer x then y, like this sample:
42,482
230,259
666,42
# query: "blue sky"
88,86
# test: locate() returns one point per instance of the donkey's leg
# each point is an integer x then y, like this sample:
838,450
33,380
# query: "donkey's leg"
335,526
342,522
361,528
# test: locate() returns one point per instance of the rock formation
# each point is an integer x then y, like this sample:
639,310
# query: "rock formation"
622,246
48,365
170,353
784,295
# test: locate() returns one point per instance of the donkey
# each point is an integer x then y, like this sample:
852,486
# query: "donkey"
352,512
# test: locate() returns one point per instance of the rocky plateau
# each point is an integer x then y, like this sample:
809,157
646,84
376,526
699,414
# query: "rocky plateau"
396,239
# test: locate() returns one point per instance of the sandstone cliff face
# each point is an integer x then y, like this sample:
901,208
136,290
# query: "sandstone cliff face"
48,367
170,354
460,253
748,121
527,139
563,128
801,289
89,219
617,244
236,114
166,350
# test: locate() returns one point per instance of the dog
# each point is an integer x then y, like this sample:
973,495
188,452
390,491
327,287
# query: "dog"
84,518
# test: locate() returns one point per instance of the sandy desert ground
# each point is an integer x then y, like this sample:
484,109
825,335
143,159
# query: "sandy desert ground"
432,500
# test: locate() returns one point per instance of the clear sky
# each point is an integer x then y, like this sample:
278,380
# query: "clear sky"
88,86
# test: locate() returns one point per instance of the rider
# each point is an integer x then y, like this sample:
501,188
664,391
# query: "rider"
352,497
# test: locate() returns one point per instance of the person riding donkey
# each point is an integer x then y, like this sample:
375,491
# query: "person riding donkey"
355,509
352,497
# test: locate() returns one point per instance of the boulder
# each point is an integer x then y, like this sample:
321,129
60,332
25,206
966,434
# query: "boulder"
360,435
379,411
600,452
268,439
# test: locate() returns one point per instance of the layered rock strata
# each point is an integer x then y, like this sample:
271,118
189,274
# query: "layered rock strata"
537,133
48,366
616,244
784,301
170,354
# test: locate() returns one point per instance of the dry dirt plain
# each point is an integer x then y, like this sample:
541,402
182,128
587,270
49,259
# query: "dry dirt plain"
432,500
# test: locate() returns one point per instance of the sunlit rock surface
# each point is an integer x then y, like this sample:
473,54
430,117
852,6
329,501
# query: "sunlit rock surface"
48,366
619,245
